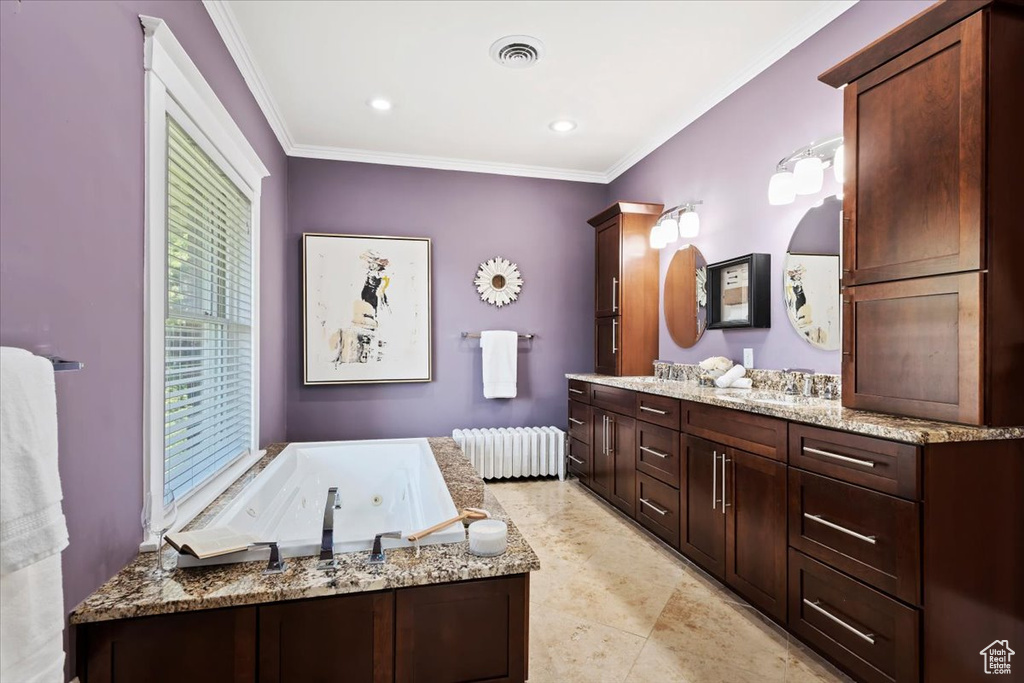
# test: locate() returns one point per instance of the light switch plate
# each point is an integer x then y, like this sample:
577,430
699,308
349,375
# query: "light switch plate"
748,359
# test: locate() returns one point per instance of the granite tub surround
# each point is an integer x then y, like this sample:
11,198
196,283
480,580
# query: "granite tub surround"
809,410
140,590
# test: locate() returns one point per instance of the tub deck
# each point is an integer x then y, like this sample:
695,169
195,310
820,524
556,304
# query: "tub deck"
137,590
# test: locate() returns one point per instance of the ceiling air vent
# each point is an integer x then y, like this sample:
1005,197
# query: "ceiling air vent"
517,52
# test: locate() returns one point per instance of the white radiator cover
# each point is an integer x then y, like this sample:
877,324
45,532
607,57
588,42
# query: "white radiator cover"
499,453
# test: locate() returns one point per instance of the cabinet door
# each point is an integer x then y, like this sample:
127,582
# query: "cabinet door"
701,515
606,351
608,269
602,468
467,631
915,348
623,493
755,530
214,646
915,137
312,640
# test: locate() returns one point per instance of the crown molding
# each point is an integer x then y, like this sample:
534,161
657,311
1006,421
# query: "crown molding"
445,164
227,26
801,32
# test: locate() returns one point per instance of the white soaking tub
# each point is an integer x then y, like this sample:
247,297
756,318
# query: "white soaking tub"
383,485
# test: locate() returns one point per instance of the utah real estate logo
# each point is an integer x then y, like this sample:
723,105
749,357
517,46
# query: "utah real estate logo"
997,657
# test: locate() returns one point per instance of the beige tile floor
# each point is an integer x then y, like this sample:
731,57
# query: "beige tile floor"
611,605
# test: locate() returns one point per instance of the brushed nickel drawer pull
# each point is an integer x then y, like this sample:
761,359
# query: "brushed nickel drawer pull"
615,295
869,637
654,410
654,507
659,454
576,391
833,525
724,504
575,460
714,480
575,421
846,458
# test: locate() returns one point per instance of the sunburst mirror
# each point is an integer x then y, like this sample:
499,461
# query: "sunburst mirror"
498,281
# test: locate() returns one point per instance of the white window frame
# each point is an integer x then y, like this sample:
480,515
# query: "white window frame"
175,86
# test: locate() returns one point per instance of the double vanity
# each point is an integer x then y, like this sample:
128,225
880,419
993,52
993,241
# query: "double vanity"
875,539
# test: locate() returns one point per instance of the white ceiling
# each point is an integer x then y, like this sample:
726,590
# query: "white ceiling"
631,74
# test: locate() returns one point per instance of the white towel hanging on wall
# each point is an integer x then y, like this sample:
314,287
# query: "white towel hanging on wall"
500,349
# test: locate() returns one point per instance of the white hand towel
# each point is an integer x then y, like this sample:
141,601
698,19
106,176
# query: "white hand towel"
32,525
500,352
733,374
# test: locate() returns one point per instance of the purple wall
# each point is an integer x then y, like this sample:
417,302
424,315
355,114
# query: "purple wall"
71,243
726,158
538,224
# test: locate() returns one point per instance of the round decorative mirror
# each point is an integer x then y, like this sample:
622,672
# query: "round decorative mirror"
810,276
686,299
498,281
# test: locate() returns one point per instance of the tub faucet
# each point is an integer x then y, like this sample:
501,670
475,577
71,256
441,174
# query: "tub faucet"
327,562
377,554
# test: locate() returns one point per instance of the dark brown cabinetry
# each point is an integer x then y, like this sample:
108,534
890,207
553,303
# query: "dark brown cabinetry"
886,557
931,236
615,450
405,635
625,290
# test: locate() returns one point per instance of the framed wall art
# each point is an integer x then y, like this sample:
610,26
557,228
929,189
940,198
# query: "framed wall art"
366,309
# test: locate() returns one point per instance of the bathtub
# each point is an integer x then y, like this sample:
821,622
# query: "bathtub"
383,485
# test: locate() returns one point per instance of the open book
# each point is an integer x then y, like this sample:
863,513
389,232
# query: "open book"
212,542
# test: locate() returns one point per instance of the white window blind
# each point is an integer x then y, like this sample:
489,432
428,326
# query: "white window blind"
208,335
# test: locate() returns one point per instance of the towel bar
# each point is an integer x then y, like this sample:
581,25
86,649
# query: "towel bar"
476,335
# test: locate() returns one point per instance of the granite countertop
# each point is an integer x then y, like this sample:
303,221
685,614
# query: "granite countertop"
138,590
810,410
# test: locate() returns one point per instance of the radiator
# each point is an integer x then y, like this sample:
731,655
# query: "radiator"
499,453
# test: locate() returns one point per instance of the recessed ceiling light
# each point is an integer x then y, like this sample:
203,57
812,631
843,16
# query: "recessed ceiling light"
380,104
563,126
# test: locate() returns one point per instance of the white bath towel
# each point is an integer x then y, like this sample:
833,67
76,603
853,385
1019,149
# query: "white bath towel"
31,522
500,351
32,528
32,624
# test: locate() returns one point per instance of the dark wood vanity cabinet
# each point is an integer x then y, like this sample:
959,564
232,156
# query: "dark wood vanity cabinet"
614,457
625,290
932,238
701,518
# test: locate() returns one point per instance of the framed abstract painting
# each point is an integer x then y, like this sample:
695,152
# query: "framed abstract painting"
366,309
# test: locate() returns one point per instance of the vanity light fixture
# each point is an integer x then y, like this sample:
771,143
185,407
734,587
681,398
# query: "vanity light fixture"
679,221
803,171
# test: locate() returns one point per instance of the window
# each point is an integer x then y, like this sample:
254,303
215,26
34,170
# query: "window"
202,250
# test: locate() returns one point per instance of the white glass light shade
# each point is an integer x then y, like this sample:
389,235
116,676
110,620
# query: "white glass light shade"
781,189
837,164
669,230
689,225
808,175
656,241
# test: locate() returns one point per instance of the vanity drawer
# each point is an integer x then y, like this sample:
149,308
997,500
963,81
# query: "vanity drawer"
746,431
886,466
657,452
659,410
617,400
580,421
579,460
871,536
872,635
657,508
579,391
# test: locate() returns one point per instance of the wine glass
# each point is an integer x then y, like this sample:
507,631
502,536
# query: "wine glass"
168,519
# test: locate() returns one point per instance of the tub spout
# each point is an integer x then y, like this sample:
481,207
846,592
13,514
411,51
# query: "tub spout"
377,554
327,561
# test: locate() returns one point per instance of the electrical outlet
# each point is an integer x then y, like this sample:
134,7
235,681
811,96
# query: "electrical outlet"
748,359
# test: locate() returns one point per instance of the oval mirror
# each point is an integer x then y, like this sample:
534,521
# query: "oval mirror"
686,296
810,276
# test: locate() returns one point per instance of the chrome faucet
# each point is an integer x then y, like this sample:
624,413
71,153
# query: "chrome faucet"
327,562
791,388
377,554
276,563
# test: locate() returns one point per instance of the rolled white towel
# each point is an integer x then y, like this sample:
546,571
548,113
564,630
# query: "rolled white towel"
742,383
733,374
